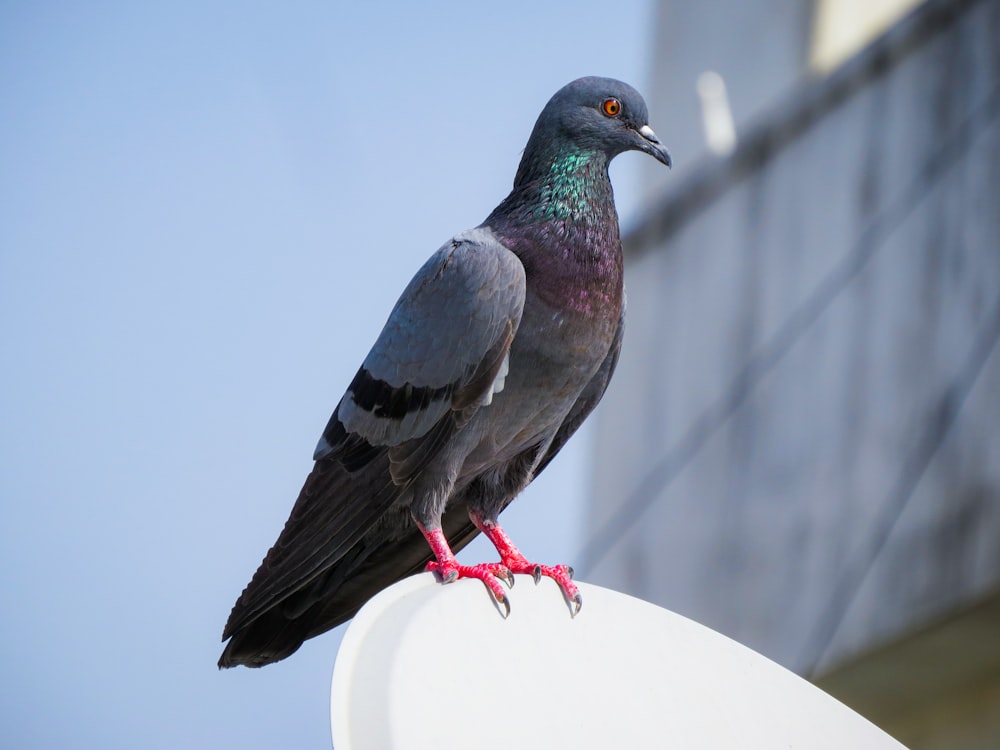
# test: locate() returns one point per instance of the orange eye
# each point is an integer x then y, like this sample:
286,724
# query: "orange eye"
611,107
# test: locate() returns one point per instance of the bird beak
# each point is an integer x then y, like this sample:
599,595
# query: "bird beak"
651,145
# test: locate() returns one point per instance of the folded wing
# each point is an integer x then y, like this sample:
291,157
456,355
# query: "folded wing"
440,357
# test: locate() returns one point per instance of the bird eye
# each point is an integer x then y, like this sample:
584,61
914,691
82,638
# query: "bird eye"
611,107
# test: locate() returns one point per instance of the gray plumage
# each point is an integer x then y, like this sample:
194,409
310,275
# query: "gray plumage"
494,354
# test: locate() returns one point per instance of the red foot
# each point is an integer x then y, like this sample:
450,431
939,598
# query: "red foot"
448,568
512,559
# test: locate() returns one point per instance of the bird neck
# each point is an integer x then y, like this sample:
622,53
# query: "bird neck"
565,185
560,220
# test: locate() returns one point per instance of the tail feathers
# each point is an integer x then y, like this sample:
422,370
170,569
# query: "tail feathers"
269,638
337,595
330,516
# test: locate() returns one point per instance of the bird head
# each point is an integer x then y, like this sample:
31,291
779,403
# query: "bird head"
600,114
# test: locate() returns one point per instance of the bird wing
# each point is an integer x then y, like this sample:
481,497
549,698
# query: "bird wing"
441,355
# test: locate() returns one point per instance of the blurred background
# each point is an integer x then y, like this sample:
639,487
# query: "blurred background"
801,447
207,211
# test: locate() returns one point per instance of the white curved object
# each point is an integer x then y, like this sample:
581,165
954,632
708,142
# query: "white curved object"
426,665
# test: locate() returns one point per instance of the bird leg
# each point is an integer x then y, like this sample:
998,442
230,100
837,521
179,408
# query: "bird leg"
450,570
512,559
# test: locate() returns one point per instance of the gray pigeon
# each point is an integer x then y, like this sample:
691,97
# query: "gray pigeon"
495,353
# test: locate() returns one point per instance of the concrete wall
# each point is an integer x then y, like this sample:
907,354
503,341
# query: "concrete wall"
801,447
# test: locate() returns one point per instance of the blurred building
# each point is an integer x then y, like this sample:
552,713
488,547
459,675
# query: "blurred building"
801,447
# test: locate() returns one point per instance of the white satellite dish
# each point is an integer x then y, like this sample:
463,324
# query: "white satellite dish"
430,666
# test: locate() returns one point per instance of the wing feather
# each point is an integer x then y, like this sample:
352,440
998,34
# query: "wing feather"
440,356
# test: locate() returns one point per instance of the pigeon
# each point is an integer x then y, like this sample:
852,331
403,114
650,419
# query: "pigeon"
495,353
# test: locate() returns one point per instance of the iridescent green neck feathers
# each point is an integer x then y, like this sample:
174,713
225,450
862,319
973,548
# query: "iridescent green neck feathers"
570,186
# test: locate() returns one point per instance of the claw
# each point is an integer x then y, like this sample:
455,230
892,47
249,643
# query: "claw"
578,601
569,572
537,574
506,604
507,578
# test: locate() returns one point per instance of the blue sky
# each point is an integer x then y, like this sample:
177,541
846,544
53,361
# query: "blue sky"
207,211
